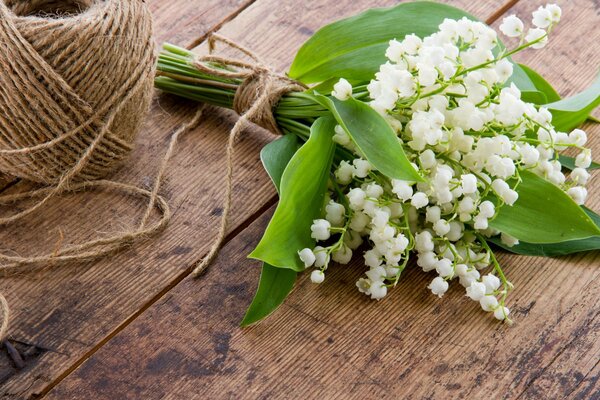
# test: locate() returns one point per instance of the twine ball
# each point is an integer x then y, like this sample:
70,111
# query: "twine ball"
75,84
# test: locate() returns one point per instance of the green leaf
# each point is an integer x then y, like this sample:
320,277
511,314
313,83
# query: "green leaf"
571,112
274,286
543,87
354,47
276,155
569,163
373,136
555,249
303,187
543,214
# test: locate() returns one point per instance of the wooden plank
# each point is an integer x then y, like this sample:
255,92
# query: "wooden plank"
27,293
185,22
330,341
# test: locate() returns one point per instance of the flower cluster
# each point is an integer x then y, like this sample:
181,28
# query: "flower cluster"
465,128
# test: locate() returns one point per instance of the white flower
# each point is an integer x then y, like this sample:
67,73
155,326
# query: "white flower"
374,190
476,291
491,282
512,26
372,258
578,194
508,240
555,12
317,276
427,159
441,227
364,286
419,200
456,231
580,176
320,229
424,242
504,191
376,274
584,159
321,257
341,137
501,313
578,137
480,222
487,209
343,255
468,183
356,197
402,189
427,74
307,257
411,44
378,290
438,286
444,268
427,261
488,303
394,51
335,213
342,90
542,18
353,239
380,218
361,168
359,221
344,173
537,34
504,69
433,214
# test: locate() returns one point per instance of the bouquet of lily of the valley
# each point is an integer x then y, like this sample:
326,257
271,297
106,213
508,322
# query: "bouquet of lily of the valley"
417,138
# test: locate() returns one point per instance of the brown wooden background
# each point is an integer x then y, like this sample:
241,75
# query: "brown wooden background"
135,326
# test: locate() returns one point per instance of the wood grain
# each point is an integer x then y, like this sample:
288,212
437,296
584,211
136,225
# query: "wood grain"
329,341
62,316
43,304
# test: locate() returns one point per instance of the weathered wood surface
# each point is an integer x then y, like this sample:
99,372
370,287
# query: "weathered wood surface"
329,341
189,344
61,316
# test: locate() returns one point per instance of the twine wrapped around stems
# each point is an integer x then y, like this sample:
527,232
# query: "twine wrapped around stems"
254,101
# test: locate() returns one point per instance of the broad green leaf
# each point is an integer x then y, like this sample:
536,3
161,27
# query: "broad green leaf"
571,112
555,249
373,136
276,155
354,47
569,163
303,187
544,88
543,214
274,286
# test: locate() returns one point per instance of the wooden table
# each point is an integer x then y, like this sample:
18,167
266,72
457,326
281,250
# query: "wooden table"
136,326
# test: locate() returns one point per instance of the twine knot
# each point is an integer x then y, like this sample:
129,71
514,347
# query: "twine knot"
255,100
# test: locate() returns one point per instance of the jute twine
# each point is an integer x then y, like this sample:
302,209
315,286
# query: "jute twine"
75,86
254,101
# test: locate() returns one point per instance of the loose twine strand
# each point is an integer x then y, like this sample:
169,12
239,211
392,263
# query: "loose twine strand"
73,92
254,101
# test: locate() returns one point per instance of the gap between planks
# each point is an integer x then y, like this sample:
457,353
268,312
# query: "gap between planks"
245,224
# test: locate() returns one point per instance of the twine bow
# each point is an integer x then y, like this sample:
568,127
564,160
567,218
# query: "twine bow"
254,101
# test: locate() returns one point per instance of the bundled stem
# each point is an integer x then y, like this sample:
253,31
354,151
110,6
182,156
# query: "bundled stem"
177,74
